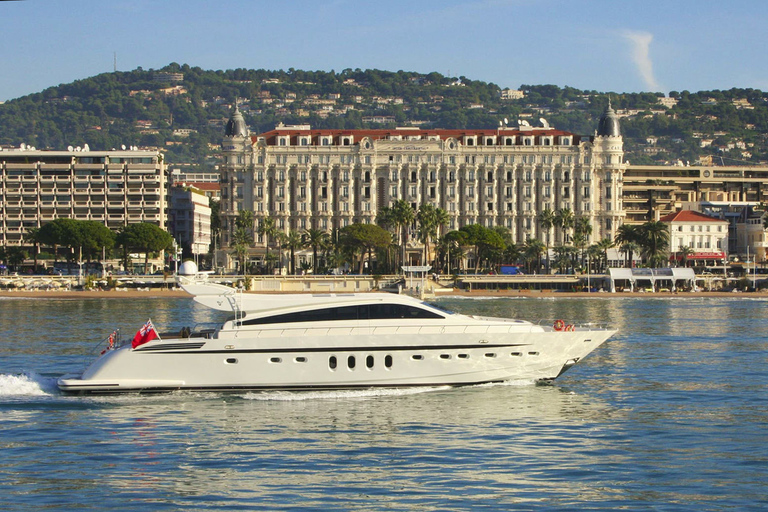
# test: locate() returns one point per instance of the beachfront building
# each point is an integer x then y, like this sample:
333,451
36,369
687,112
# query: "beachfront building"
327,179
696,238
190,219
113,187
730,193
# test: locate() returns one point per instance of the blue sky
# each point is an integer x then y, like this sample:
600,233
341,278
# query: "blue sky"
619,46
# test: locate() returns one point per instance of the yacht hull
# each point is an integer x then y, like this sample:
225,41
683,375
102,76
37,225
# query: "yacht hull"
344,357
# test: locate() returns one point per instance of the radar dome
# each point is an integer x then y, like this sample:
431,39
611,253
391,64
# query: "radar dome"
188,268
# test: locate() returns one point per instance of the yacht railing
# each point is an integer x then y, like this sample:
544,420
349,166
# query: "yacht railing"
556,325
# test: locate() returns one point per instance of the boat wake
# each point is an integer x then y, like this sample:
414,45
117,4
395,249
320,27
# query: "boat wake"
27,383
342,394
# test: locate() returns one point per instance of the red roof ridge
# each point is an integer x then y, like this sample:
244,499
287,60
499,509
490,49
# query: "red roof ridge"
689,216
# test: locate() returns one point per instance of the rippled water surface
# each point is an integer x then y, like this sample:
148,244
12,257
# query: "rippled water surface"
670,414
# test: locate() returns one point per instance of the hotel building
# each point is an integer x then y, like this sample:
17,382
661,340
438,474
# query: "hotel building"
327,179
113,187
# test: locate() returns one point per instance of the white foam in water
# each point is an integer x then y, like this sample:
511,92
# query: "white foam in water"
288,396
28,383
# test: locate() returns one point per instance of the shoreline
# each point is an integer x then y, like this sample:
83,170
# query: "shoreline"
181,294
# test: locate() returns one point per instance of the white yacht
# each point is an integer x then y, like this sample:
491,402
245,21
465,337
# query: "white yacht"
333,341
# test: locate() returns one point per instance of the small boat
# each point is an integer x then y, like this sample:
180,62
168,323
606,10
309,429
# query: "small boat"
334,341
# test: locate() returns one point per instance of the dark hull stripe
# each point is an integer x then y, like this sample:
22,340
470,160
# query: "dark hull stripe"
234,389
394,348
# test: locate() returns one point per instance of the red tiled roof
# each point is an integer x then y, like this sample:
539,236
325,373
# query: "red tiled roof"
271,135
689,216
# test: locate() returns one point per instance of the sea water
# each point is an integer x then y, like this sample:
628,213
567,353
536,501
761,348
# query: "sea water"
670,414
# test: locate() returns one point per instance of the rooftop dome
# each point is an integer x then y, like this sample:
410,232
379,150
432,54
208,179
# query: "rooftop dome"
236,125
609,123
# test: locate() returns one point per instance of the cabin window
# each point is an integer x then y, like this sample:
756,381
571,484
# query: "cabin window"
533,353
417,357
516,354
445,356
332,363
490,354
351,362
361,312
231,360
301,360
463,356
388,361
369,362
275,360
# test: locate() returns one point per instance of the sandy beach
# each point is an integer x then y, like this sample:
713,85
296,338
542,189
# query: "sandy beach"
180,294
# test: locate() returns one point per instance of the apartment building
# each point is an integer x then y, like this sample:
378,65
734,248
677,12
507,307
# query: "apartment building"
730,193
113,187
326,179
190,218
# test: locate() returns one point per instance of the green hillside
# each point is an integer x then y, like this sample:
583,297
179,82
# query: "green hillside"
185,118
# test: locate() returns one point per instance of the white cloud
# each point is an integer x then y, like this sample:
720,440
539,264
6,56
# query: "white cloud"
641,42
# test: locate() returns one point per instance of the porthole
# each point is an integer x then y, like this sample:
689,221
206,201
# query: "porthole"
351,362
463,356
533,353
275,360
332,362
301,359
388,361
417,357
369,362
231,360
445,356
516,354
490,354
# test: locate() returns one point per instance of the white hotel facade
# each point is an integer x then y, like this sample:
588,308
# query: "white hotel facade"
327,179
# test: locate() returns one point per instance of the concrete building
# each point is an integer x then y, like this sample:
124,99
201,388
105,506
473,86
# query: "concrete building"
326,179
113,187
705,236
190,219
729,193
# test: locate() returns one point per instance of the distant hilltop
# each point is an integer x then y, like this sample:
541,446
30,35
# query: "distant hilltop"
183,111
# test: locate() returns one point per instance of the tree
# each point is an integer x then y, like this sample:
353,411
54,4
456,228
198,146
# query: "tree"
533,250
32,236
146,238
365,238
547,221
402,216
269,231
430,219
582,229
686,252
564,220
242,239
654,243
314,238
292,241
627,237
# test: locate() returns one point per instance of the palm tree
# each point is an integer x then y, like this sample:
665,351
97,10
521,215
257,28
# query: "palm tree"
547,222
627,237
629,249
314,238
292,241
402,216
564,220
242,238
685,251
268,229
533,250
603,245
655,242
582,229
430,221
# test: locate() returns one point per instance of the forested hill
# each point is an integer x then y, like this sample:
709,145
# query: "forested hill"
183,109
